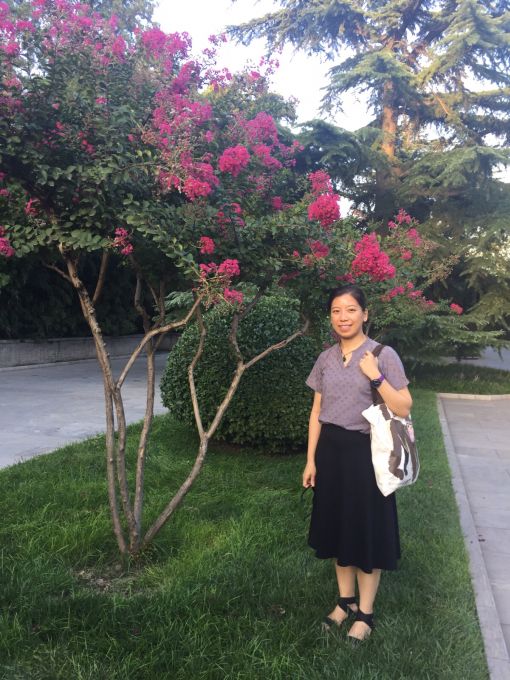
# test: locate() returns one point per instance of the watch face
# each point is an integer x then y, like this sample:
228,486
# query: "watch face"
376,382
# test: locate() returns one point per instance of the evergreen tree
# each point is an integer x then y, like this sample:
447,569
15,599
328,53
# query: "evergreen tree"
436,73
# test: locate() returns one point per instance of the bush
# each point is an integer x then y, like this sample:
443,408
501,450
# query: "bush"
271,406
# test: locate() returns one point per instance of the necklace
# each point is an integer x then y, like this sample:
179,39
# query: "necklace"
346,355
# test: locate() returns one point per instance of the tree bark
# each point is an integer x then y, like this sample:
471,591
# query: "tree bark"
386,176
109,390
101,277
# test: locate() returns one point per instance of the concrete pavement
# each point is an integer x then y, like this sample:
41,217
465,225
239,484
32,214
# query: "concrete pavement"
476,432
491,358
62,403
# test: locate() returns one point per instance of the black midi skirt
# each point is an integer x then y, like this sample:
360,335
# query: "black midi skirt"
351,520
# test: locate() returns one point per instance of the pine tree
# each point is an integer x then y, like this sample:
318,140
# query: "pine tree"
437,77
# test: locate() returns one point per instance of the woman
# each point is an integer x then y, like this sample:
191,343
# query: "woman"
352,521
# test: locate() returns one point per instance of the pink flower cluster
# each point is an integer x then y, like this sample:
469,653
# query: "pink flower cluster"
324,208
199,177
321,183
234,159
412,235
224,273
456,308
233,296
401,218
157,43
63,24
227,269
206,269
195,188
410,292
263,152
206,245
371,260
5,247
262,128
121,241
318,251
400,290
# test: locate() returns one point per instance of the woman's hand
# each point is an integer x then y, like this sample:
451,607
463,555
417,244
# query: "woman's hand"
370,365
309,475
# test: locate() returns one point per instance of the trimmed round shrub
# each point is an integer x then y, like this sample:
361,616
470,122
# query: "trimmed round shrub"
270,409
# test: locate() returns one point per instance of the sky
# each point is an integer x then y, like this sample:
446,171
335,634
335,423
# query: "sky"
299,75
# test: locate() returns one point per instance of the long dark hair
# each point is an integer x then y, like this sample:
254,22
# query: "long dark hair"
348,289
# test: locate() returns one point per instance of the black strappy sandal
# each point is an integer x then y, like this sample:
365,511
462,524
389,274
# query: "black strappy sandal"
366,618
343,603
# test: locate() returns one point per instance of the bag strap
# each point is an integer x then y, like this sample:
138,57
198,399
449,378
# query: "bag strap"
376,397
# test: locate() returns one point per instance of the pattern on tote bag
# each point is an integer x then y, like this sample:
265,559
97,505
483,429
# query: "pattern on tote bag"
404,446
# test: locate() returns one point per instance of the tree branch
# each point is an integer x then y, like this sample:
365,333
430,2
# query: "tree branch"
142,447
205,436
139,272
111,395
58,270
279,345
152,333
101,277
191,369
138,304
237,318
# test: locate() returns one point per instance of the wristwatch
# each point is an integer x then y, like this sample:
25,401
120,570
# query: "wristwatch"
376,382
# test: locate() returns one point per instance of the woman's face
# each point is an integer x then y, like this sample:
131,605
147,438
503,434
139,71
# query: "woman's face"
347,317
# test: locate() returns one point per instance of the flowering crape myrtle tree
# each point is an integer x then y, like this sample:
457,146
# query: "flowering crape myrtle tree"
122,143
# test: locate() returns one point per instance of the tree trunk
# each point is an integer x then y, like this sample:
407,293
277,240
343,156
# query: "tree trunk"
387,174
109,391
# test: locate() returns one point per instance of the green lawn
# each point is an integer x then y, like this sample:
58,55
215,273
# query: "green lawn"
230,589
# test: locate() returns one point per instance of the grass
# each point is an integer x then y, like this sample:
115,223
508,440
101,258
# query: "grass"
230,589
463,379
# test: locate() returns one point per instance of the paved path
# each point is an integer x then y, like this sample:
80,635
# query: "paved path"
492,359
62,403
476,431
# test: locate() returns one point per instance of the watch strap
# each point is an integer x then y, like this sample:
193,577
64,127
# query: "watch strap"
377,381
376,397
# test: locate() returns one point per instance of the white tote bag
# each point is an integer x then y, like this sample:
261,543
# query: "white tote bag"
394,453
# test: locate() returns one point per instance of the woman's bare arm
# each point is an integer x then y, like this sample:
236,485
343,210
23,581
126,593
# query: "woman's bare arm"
314,430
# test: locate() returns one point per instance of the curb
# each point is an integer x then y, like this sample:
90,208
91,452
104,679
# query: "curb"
479,397
72,362
496,651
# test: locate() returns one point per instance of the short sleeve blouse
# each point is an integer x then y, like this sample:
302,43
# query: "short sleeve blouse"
345,389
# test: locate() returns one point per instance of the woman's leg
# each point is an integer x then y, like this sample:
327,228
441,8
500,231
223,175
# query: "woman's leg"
367,585
346,578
